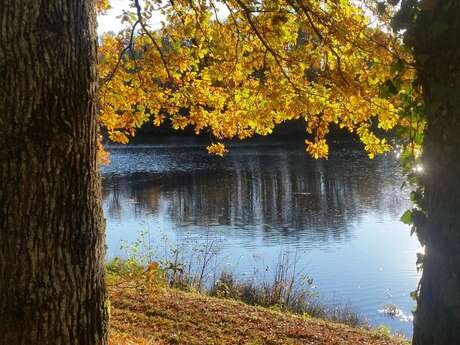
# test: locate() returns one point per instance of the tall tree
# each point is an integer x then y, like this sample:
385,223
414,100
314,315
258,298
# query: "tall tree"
51,225
436,40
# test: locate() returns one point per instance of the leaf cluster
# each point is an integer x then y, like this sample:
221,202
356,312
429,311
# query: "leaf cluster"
263,63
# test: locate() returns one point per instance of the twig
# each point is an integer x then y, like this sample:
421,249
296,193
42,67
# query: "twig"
122,53
154,42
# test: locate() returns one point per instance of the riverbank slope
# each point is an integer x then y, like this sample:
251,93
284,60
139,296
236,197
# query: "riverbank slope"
171,316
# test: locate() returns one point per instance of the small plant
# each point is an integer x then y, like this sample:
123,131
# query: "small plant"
381,332
186,266
131,274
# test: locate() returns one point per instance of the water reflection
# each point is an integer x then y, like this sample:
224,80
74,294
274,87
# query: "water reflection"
280,194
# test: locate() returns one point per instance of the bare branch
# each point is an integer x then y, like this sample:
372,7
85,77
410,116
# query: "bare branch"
128,47
154,42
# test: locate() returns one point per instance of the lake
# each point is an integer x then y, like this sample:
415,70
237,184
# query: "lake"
340,216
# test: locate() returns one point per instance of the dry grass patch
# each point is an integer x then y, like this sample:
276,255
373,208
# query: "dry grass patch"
170,316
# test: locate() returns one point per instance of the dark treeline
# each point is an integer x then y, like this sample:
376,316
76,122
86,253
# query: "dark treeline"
292,131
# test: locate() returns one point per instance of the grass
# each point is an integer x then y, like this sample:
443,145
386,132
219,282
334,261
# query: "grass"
285,289
285,294
280,285
162,315
173,301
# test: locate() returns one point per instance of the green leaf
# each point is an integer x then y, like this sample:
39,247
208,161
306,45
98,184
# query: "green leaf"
406,218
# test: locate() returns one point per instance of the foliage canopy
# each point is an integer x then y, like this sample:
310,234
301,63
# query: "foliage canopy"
261,63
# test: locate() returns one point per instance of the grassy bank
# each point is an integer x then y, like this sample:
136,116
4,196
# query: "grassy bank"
170,316
174,301
285,289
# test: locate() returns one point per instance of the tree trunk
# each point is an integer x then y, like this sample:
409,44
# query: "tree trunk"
437,50
51,226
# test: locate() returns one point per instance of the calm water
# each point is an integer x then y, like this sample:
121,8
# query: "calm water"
341,215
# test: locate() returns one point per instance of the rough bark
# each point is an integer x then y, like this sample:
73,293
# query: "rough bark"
437,50
51,225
